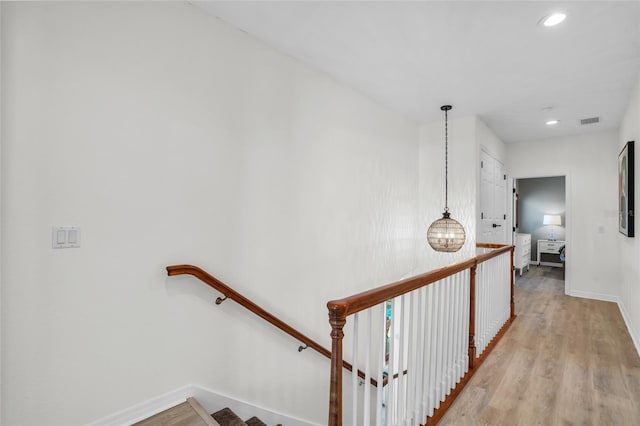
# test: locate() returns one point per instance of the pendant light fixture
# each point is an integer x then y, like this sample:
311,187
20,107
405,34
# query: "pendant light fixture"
446,234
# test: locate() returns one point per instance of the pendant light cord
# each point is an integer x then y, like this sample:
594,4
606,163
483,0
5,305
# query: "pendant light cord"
446,161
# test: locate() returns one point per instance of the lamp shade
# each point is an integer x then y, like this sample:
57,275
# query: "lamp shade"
446,234
552,219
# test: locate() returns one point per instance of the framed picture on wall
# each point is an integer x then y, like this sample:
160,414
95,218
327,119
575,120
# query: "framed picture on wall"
626,190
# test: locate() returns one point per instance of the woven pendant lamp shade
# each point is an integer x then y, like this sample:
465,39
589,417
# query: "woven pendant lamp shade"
446,234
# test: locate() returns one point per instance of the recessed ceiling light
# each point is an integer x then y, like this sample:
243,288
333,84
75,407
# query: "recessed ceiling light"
551,122
553,19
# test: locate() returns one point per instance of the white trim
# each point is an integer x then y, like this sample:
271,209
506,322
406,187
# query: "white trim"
629,324
210,401
146,409
594,296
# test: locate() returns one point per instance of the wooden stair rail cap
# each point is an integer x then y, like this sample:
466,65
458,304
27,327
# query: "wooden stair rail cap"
361,301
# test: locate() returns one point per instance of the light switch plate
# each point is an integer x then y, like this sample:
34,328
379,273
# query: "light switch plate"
65,237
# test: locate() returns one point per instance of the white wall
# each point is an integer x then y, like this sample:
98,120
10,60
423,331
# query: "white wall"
169,137
490,141
629,248
589,163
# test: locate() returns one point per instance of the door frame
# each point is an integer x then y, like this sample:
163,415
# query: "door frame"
568,227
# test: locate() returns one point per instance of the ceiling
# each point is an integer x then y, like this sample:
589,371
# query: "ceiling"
489,58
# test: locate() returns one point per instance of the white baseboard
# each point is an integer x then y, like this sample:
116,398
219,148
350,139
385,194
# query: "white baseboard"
594,296
146,409
630,329
621,307
210,400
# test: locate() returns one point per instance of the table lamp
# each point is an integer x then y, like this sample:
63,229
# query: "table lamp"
552,219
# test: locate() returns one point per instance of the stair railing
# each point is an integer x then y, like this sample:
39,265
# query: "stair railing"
230,293
435,328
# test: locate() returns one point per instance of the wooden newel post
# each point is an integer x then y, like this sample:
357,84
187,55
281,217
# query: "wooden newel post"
472,317
337,319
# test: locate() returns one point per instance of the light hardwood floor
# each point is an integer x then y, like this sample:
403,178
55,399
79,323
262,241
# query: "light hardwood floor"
564,361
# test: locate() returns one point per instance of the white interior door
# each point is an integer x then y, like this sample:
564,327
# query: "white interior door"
493,200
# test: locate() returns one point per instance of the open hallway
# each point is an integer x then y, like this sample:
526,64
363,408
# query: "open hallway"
565,360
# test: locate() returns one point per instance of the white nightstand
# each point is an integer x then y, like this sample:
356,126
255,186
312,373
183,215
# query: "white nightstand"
549,246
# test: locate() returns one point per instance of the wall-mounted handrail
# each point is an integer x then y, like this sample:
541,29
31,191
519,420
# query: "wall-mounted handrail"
230,293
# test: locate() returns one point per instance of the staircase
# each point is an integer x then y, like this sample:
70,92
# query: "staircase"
226,417
191,413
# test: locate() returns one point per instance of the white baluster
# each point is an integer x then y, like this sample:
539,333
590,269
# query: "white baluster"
415,349
478,310
455,325
391,403
446,386
507,272
401,362
433,324
410,328
457,309
464,315
485,304
465,311
419,357
354,375
381,322
439,344
482,300
493,297
424,293
367,375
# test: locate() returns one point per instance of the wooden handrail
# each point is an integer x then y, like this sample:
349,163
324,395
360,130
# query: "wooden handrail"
490,245
361,301
230,293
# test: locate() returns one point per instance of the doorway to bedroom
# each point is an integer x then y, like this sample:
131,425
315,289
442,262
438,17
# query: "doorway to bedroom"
540,223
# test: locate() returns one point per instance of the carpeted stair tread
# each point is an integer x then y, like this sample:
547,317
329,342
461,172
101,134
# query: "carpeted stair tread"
226,417
254,421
